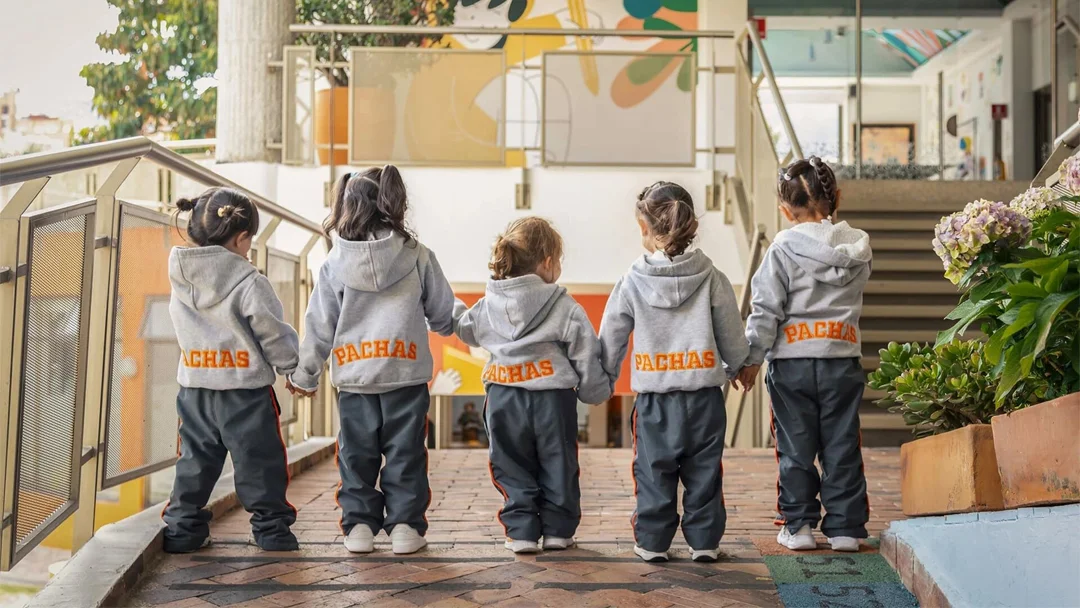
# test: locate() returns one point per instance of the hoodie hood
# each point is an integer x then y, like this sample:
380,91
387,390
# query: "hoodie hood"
834,254
668,285
373,265
204,276
516,306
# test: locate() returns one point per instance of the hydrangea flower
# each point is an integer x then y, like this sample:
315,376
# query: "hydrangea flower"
1069,174
1035,203
959,237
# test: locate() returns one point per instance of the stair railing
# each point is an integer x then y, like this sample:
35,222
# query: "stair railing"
754,206
85,336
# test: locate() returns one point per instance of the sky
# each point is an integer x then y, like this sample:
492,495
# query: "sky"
43,45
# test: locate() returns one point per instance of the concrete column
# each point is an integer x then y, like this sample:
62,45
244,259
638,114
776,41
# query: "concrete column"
250,34
1018,145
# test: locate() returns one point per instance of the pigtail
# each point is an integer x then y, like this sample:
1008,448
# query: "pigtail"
827,182
392,201
337,206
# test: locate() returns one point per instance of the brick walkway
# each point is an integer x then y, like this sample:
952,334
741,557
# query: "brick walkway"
466,565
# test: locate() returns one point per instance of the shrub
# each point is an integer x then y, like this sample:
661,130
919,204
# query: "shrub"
936,389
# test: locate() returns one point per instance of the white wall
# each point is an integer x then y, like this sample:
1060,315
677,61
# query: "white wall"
458,213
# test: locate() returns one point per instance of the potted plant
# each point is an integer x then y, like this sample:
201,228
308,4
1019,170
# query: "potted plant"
373,93
1028,301
946,394
1017,266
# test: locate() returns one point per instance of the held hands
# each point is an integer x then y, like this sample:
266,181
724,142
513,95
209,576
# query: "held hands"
746,377
292,388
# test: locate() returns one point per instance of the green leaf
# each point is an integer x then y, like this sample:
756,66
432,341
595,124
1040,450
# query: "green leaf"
641,71
1025,315
1010,374
1053,280
971,315
1045,315
1025,290
1039,266
979,292
961,311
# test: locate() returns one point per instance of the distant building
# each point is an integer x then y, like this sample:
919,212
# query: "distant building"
32,133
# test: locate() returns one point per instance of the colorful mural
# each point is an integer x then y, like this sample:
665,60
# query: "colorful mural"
452,110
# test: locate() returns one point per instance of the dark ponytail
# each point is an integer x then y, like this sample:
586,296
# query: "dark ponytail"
668,210
366,202
809,183
218,215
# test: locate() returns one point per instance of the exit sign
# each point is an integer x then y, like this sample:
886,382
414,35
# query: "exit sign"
999,111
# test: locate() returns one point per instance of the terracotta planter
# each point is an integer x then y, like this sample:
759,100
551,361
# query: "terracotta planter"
1037,453
375,112
955,472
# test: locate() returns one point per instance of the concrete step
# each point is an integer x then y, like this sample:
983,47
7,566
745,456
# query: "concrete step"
900,311
940,286
882,219
884,241
906,261
921,196
882,420
901,335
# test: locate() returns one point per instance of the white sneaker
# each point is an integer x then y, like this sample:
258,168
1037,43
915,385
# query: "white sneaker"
704,555
405,539
651,556
360,539
522,546
846,544
556,543
803,540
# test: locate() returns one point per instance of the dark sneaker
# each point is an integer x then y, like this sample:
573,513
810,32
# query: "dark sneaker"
184,545
278,542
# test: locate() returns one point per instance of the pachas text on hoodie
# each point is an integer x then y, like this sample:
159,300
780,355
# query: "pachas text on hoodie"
808,294
688,333
228,320
373,304
539,338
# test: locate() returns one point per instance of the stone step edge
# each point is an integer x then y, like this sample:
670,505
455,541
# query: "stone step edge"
110,565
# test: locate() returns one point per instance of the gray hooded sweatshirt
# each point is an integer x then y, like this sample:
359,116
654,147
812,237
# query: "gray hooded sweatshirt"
228,321
538,336
688,333
808,294
368,313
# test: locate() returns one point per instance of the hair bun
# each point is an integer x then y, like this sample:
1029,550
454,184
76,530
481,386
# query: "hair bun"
185,204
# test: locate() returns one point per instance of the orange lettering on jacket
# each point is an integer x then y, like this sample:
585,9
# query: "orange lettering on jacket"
374,349
215,359
822,330
518,372
674,362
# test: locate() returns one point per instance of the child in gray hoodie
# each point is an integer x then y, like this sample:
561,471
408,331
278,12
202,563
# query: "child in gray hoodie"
688,341
807,299
377,295
542,347
232,339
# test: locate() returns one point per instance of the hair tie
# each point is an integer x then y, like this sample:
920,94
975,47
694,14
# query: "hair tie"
224,210
786,176
815,161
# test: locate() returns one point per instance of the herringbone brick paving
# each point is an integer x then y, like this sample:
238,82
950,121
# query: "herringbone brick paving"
466,564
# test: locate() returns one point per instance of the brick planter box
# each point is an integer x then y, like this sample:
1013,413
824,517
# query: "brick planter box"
1037,454
955,472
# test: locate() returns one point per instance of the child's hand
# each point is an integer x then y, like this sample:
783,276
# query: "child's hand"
292,388
747,376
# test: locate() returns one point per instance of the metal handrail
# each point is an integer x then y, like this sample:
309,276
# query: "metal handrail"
43,164
770,78
332,28
1071,136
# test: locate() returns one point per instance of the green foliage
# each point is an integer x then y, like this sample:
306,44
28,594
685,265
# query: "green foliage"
166,46
1026,299
937,389
368,12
